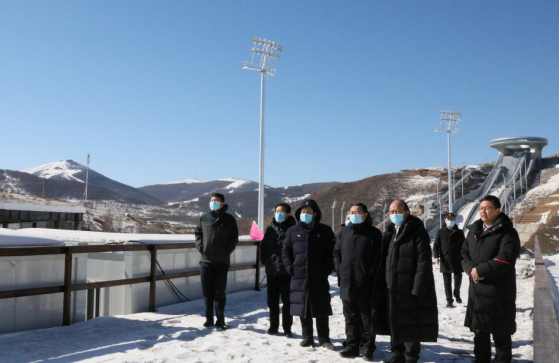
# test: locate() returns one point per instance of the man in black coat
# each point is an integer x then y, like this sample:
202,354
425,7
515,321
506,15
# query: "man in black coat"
413,313
277,278
216,238
489,257
357,256
447,253
308,257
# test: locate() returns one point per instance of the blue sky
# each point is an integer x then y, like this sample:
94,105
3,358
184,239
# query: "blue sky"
155,90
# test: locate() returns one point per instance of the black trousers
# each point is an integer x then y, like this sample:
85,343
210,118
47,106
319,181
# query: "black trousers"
483,348
279,286
213,277
410,351
322,324
457,277
357,318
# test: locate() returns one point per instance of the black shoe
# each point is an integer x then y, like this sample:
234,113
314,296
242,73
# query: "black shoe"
398,359
449,305
208,323
222,325
350,352
288,334
458,299
328,345
306,342
272,331
368,353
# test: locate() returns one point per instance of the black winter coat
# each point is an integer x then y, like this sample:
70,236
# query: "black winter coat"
413,313
271,246
216,236
380,324
491,306
357,256
447,247
308,257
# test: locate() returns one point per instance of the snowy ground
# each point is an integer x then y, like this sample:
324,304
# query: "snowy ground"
551,263
175,334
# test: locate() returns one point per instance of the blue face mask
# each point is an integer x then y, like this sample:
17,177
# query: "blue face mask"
280,217
347,223
214,205
356,218
397,219
306,218
450,224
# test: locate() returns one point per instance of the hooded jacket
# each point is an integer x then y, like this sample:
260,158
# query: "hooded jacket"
216,236
491,305
357,257
413,313
271,246
308,257
447,247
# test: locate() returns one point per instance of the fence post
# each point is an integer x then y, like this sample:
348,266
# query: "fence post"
153,274
90,302
97,302
67,299
258,268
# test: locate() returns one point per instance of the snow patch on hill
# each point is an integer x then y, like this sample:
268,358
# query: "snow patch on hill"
186,181
64,169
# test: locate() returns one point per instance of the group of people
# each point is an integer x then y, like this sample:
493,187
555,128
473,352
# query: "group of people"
386,280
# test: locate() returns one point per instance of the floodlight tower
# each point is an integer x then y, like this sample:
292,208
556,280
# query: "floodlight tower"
263,51
447,122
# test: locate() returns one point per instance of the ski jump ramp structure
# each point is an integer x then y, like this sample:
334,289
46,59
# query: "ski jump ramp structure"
517,165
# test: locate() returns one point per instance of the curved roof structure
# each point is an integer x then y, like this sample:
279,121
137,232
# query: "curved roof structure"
509,145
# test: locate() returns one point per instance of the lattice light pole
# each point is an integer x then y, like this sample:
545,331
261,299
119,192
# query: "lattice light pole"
263,51
448,121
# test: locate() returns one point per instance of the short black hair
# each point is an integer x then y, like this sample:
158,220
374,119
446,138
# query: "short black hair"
219,195
286,206
491,198
403,203
361,205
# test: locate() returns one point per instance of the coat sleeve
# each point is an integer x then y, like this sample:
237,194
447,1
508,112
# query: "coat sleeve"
337,253
233,237
264,246
330,262
467,263
198,236
288,254
424,277
505,260
437,245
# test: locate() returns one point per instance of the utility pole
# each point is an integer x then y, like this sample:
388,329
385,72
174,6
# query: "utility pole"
84,199
263,50
342,213
448,119
333,212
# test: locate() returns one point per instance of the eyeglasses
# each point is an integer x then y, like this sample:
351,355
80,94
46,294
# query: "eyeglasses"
486,209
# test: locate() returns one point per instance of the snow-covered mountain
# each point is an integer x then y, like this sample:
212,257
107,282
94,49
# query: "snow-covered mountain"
74,174
59,170
241,194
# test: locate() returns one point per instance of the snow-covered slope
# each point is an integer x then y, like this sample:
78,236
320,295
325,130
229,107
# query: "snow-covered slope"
59,170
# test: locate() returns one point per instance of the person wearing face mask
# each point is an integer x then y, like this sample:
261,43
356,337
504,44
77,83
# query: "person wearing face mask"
308,256
277,278
413,313
357,256
216,238
489,256
447,254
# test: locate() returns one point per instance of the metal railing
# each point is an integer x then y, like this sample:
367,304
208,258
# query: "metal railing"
545,317
68,287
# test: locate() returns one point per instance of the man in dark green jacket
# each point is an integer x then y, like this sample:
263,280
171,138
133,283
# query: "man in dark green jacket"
216,238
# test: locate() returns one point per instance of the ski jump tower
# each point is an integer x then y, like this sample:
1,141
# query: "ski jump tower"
517,165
